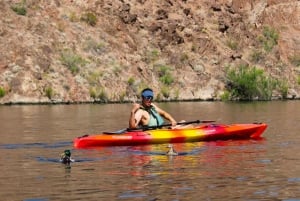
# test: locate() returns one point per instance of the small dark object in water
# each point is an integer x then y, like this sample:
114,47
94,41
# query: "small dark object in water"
65,157
171,151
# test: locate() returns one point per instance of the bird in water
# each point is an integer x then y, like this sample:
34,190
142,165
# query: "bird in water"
65,157
171,151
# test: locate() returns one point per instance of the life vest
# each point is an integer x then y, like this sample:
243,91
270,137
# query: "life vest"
155,118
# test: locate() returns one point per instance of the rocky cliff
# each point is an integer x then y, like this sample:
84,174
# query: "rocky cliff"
93,50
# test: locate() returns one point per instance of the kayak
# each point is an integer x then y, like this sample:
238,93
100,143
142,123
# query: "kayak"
207,132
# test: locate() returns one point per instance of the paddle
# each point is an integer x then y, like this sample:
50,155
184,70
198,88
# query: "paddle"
156,127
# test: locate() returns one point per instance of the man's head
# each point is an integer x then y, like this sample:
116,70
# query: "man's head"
147,96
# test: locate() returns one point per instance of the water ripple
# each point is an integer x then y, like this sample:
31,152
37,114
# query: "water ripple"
131,194
35,145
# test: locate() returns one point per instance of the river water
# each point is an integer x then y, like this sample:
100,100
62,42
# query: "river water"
34,136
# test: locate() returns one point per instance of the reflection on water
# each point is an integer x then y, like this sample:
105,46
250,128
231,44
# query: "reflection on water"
33,137
148,150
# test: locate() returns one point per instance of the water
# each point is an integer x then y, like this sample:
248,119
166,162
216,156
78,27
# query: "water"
33,137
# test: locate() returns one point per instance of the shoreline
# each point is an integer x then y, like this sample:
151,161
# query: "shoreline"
128,101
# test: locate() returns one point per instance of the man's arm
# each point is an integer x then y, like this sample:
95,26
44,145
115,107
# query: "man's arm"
135,116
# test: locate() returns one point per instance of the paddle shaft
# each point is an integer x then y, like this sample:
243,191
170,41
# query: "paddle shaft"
155,127
164,125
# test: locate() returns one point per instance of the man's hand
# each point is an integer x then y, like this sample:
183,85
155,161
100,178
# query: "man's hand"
173,122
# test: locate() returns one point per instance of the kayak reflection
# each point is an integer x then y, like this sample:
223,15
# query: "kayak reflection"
170,150
214,154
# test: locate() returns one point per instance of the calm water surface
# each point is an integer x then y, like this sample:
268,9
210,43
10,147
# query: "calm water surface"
33,137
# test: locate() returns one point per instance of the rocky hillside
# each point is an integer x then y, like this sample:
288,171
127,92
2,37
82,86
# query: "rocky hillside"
94,50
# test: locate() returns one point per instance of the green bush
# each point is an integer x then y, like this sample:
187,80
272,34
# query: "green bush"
152,56
298,80
184,57
49,92
269,38
93,93
122,96
256,56
225,96
165,75
232,44
165,91
19,8
99,93
73,17
72,61
167,79
93,77
177,92
89,18
2,92
103,96
249,83
130,81
265,87
94,46
117,69
283,89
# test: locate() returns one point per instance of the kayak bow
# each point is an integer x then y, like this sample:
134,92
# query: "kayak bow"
210,132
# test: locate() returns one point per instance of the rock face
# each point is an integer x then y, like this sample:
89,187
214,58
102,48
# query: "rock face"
85,51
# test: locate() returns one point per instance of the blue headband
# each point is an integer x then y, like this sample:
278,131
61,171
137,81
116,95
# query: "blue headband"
147,93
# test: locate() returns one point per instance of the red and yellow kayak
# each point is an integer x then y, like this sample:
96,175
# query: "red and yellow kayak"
209,132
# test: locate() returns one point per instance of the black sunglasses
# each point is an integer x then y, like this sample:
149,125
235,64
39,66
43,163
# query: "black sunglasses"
148,97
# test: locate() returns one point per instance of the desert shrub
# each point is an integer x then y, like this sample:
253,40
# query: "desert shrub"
152,55
249,83
117,69
93,93
269,38
265,86
232,44
94,46
298,80
103,95
177,92
73,17
19,8
130,81
99,94
165,76
283,88
2,92
90,18
72,61
256,56
184,57
225,96
49,92
122,96
165,91
93,77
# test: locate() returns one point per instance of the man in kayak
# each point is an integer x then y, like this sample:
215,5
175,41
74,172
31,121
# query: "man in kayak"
147,113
